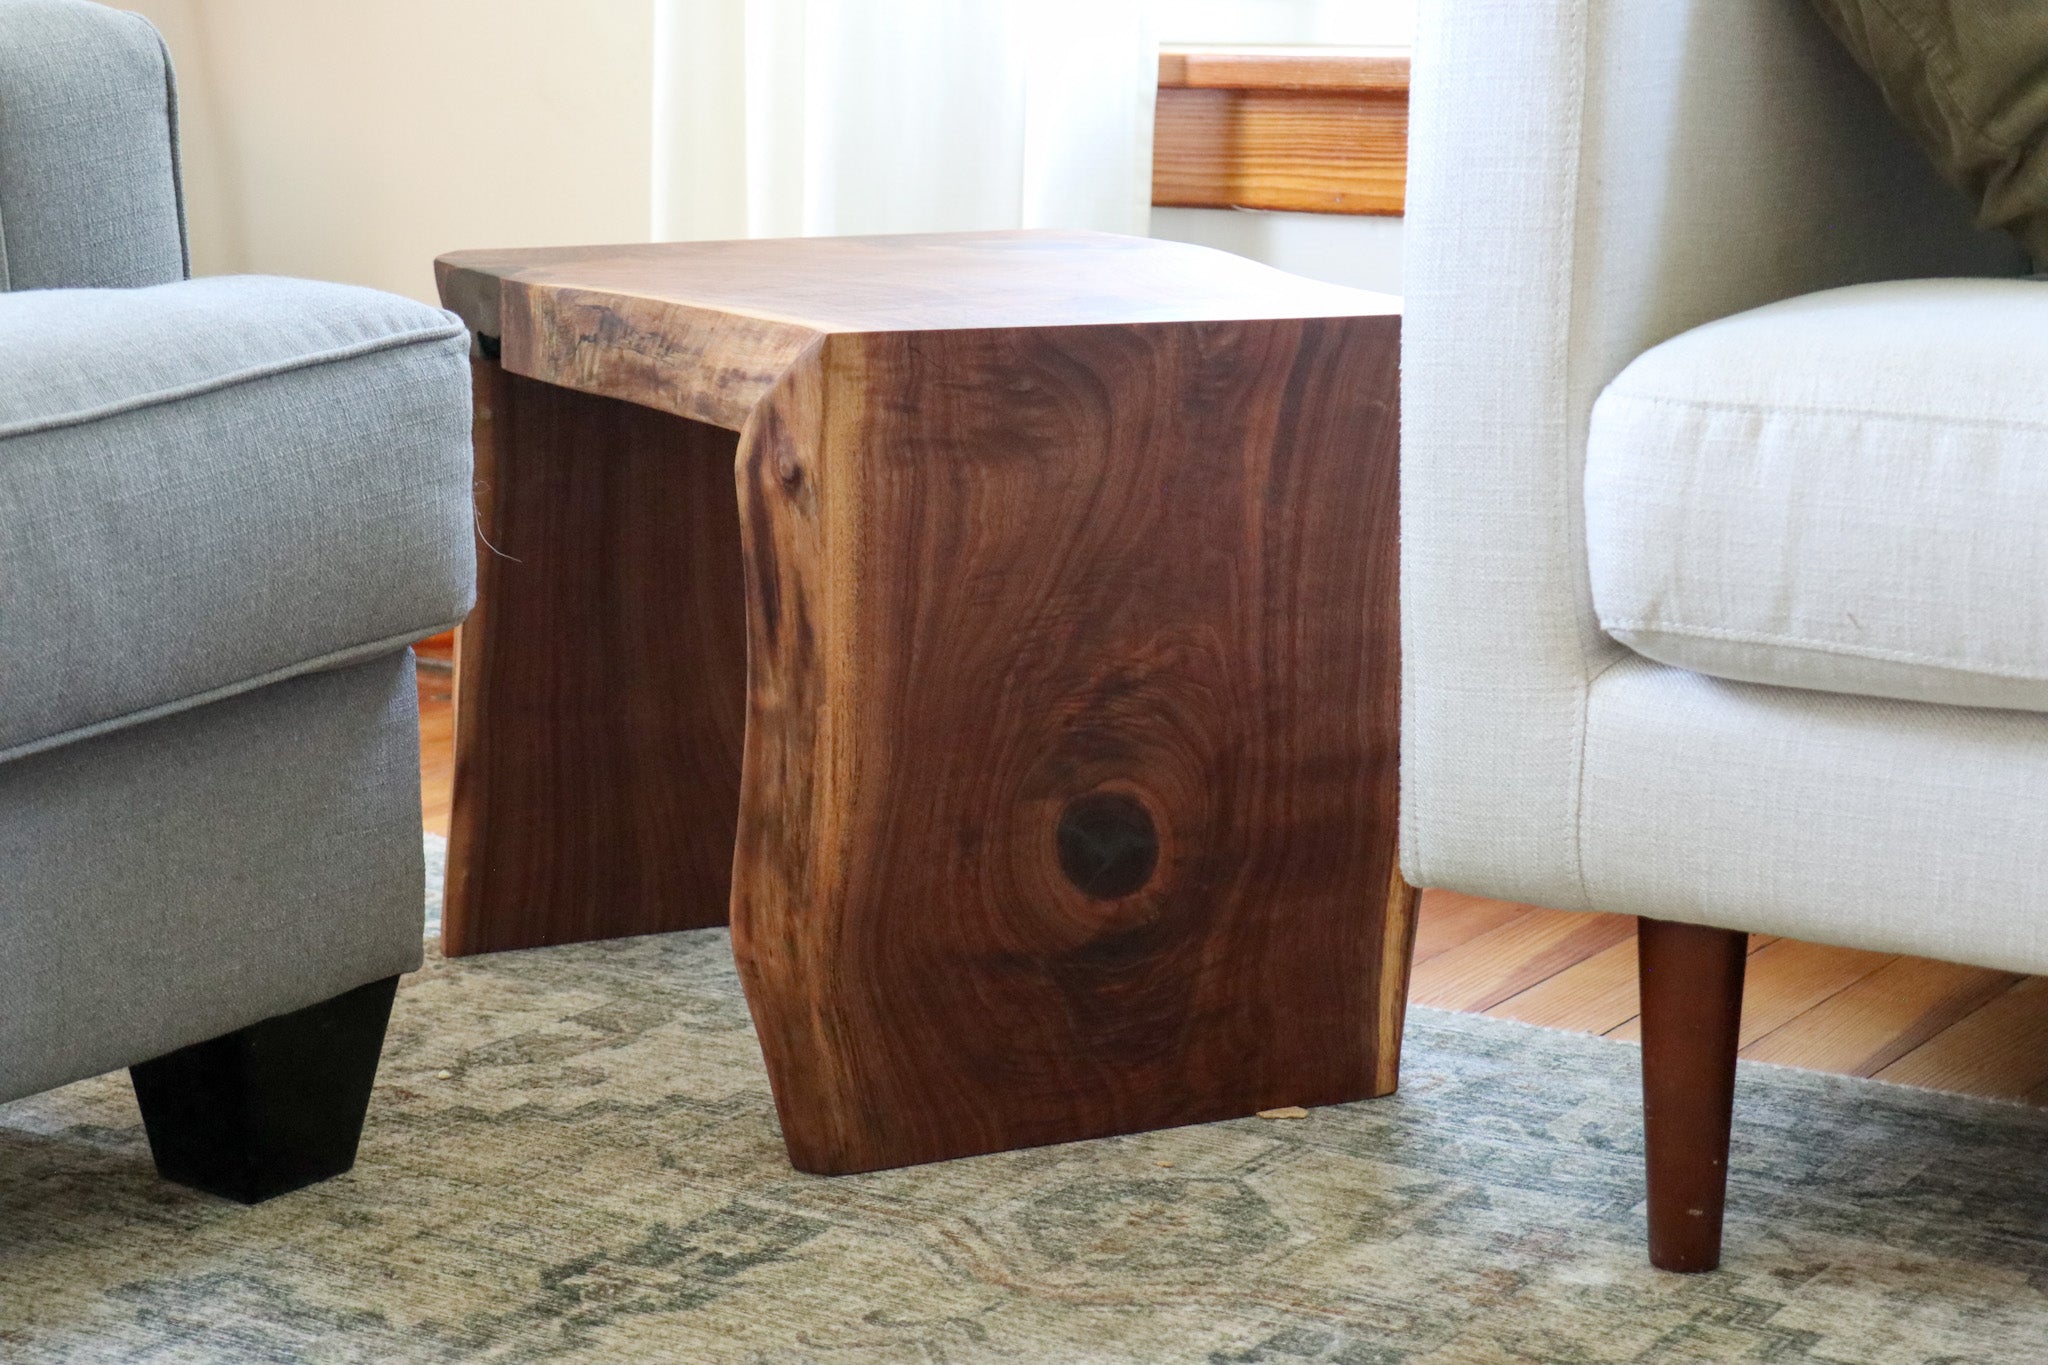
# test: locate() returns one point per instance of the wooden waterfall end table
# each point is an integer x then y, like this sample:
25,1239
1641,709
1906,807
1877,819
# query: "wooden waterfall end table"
1002,624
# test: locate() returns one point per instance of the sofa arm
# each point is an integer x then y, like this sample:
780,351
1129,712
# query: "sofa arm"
89,193
1590,178
210,486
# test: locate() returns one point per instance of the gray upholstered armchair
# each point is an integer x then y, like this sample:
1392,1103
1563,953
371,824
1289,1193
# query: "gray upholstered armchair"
1724,596
227,507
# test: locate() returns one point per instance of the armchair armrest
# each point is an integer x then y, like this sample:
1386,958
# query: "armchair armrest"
210,486
1590,178
89,194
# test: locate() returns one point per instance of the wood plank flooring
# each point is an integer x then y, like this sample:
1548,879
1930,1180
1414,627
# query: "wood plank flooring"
1902,1019
437,741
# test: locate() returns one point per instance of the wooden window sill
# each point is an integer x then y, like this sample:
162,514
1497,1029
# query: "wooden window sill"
1316,130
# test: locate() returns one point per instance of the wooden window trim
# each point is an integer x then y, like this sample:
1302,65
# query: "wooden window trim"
1316,130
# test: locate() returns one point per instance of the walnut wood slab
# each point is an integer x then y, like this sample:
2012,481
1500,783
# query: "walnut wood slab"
1067,798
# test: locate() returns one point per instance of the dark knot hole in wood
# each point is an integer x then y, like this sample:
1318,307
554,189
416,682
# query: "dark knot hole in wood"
1107,843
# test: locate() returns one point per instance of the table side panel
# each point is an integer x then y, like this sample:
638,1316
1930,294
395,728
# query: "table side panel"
1012,586
600,682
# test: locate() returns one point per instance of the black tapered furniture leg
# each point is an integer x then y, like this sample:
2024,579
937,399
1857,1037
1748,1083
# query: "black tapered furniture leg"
1691,979
269,1108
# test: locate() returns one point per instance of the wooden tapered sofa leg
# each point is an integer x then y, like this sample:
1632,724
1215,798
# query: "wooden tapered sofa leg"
1691,979
269,1108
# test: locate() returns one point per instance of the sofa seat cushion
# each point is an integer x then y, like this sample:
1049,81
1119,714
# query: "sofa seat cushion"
214,484
1846,491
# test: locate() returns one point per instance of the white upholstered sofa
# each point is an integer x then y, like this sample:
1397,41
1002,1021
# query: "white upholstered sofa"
1725,520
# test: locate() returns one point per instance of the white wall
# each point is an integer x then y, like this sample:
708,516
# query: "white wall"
1362,251
1370,23
356,141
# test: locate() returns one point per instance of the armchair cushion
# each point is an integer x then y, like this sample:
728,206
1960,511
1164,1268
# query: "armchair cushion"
1846,491
211,485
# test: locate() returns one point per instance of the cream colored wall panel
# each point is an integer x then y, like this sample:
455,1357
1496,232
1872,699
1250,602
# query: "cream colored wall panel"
356,141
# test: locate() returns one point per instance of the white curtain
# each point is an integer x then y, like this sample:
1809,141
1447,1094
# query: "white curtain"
781,118
1310,23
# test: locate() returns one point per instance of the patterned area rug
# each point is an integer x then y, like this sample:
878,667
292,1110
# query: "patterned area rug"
572,1156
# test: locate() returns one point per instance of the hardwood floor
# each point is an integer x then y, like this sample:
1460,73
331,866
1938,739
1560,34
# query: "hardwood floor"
437,741
1903,1019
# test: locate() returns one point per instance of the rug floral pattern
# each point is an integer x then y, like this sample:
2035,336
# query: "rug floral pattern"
572,1155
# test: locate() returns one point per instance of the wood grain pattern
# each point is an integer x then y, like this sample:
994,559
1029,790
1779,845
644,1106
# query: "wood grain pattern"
1905,1002
599,682
437,747
1071,690
1378,71
1313,151
1786,979
1598,993
1691,982
1999,1049
1539,944
1446,919
593,341
1600,990
1108,571
1403,909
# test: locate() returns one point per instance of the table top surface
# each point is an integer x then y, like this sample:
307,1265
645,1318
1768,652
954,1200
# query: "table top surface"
913,283
707,330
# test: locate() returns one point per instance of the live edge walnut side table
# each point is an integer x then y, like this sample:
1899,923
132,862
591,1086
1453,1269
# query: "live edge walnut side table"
1002,625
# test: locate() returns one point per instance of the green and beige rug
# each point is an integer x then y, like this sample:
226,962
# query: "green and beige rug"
572,1156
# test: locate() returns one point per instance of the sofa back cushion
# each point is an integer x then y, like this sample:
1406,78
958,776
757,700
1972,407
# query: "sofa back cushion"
1969,79
89,190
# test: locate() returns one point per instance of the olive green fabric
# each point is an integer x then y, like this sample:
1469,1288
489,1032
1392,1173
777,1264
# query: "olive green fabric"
1969,78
